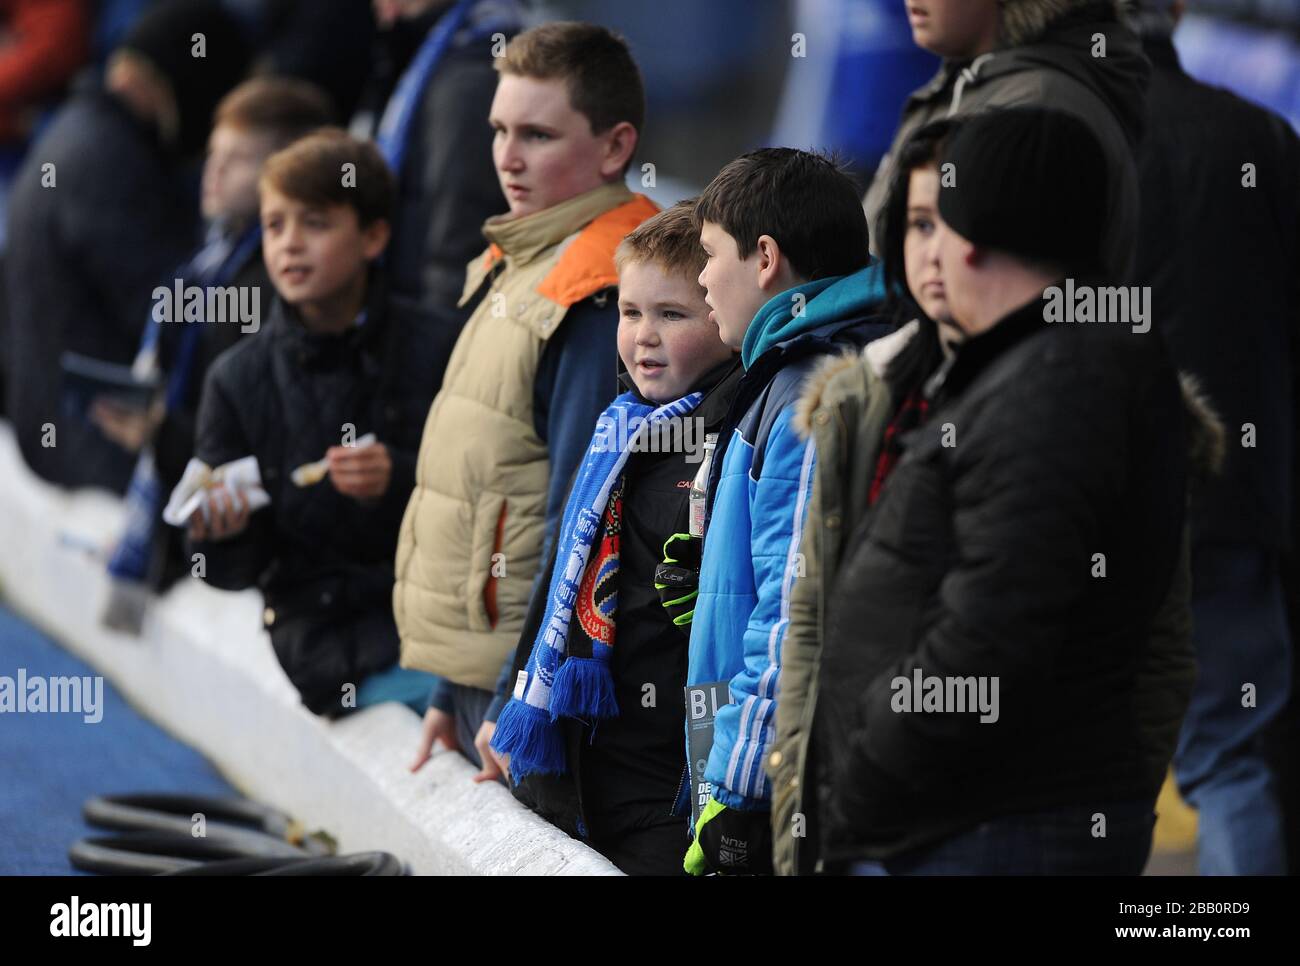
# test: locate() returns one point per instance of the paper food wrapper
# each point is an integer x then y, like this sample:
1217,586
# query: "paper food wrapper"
241,476
309,474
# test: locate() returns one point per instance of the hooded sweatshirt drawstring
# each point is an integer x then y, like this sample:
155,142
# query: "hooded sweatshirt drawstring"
968,76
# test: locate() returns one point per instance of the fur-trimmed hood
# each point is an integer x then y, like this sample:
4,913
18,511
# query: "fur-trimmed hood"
814,388
837,376
1206,435
875,355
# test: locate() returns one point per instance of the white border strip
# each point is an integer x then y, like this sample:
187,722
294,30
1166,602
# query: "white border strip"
203,670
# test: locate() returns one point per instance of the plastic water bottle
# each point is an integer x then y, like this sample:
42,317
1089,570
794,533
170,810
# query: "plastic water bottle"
700,485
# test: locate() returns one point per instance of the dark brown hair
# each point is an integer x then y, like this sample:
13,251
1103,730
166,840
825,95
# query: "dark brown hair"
918,359
803,200
921,150
311,170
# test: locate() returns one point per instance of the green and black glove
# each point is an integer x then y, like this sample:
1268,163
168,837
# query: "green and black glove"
677,579
730,842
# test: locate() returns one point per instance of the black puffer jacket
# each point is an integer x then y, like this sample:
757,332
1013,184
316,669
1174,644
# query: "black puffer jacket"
324,561
1045,446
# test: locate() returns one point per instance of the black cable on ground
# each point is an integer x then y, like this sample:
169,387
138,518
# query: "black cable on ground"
161,812
357,864
149,853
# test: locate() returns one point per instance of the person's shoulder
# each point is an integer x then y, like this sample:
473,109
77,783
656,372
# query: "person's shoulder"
788,382
240,366
1069,368
464,72
468,60
587,318
834,379
91,133
1261,127
86,104
844,379
404,310
417,328
774,413
808,353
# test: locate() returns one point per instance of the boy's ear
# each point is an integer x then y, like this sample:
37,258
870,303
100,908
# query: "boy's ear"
620,145
374,238
769,260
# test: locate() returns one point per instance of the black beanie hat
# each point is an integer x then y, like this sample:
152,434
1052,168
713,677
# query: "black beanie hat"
1030,182
164,35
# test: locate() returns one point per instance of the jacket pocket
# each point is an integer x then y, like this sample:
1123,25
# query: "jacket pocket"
488,567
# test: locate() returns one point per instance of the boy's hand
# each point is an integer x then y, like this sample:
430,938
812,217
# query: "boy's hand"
731,842
494,766
677,579
360,472
223,514
127,426
438,726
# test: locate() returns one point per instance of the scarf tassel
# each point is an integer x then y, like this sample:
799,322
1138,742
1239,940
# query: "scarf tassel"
584,688
525,734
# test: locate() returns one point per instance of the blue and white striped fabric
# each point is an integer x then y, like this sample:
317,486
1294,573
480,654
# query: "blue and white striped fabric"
525,729
755,525
214,265
743,610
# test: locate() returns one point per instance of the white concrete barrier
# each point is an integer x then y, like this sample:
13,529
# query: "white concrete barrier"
203,669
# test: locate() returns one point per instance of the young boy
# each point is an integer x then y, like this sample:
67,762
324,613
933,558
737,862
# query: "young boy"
338,360
614,782
788,280
252,122
531,371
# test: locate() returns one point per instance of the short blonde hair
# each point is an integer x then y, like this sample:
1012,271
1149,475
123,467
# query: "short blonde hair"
670,239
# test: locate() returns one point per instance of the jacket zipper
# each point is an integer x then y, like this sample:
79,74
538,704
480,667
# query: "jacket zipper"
490,588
